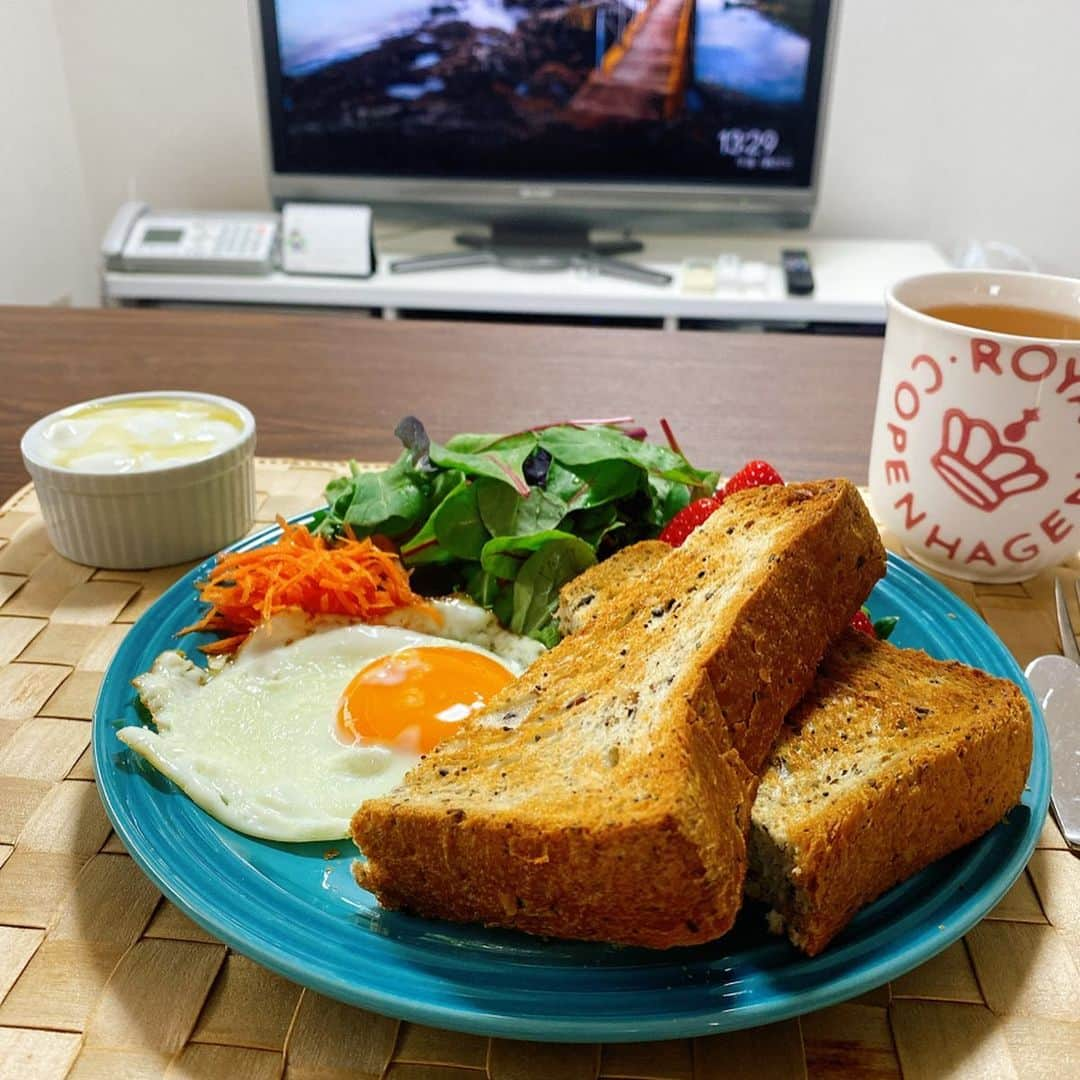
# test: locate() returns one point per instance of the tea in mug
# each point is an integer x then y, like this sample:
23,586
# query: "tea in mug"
1009,319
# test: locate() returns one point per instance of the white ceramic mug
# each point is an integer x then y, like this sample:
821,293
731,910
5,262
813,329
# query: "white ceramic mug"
975,460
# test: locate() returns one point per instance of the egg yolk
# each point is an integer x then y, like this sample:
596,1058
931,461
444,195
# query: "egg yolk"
415,698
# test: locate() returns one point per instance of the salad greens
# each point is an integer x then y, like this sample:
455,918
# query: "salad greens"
509,519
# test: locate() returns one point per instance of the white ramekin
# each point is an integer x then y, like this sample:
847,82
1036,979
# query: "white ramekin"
156,517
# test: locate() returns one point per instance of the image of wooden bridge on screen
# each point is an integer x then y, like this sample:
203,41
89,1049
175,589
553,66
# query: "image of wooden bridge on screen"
644,72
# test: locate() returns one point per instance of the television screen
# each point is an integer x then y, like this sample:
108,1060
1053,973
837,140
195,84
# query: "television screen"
690,91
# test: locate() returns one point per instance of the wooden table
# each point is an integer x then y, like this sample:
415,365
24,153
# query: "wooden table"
101,976
334,386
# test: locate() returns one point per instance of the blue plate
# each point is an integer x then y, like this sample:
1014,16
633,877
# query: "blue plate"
296,909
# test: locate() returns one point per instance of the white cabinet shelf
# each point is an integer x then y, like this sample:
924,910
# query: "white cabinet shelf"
851,277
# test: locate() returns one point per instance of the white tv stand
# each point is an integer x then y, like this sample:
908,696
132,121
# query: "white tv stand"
851,277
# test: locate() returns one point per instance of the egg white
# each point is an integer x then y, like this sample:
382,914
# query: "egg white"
253,742
459,619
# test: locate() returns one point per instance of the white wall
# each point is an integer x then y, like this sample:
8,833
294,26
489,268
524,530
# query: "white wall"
45,253
957,119
164,98
950,120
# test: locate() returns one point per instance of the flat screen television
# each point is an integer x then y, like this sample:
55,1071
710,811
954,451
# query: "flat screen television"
648,113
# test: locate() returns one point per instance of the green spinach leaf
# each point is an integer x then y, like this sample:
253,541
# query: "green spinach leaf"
595,523
501,461
537,585
468,443
506,513
457,523
422,549
608,481
503,556
666,500
483,587
389,502
586,446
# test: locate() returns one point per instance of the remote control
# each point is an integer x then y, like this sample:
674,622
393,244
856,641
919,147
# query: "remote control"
797,273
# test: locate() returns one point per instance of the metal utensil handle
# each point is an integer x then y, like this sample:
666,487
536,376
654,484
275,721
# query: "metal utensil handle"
1068,637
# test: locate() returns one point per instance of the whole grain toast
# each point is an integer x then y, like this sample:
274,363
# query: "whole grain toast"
605,795
583,599
890,762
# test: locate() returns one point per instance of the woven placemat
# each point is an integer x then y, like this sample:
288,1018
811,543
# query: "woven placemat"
100,976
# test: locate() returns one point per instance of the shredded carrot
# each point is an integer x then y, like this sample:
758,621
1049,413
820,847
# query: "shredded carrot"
300,572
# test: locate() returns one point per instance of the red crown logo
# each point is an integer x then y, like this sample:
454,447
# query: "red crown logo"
975,462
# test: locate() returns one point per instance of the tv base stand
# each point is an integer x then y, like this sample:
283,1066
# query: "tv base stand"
537,249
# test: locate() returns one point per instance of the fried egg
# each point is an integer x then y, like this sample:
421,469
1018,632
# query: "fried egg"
315,715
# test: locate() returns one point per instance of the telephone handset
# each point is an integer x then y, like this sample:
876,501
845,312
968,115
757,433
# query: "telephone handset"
190,242
112,247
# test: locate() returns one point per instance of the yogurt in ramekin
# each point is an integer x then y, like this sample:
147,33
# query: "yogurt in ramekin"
148,479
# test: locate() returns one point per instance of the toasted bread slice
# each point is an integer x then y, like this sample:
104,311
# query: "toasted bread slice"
605,795
583,598
890,762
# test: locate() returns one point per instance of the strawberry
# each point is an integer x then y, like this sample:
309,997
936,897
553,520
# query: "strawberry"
861,621
688,519
753,474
